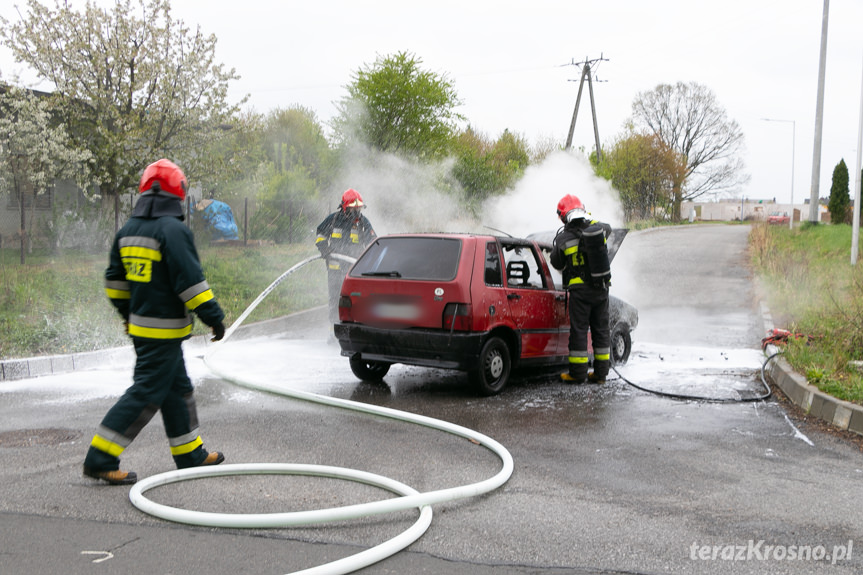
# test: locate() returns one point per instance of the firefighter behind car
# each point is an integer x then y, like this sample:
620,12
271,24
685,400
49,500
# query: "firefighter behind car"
345,232
580,252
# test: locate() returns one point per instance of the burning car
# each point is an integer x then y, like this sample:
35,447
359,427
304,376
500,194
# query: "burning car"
482,304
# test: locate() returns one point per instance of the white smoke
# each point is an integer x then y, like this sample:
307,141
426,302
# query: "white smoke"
404,196
532,205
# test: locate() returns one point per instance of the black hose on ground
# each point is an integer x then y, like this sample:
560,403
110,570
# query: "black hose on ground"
767,393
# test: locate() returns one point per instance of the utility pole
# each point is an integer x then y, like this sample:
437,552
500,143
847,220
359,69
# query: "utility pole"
855,219
586,67
819,121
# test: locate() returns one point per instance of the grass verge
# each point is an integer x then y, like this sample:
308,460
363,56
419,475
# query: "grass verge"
812,289
57,304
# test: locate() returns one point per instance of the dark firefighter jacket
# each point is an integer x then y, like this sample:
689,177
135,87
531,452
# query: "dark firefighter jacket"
570,256
154,277
340,234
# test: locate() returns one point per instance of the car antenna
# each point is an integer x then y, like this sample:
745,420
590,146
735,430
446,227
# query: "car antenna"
497,230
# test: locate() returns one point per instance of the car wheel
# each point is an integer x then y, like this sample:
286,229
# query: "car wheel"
369,370
494,367
621,345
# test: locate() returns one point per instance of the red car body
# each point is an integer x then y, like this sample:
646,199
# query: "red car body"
778,218
478,303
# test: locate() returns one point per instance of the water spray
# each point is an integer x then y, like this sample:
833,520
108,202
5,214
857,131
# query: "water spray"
408,497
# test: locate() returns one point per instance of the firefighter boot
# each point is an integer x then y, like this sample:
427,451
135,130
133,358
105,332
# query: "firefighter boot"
592,377
213,458
114,477
568,378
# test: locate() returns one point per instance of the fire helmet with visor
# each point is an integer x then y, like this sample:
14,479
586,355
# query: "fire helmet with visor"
570,208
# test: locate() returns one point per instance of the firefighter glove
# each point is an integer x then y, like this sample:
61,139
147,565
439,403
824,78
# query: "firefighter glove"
218,332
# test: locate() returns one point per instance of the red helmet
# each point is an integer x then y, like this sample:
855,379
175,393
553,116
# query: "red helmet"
569,208
351,199
166,176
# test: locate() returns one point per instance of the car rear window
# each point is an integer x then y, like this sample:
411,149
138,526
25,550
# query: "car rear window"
410,258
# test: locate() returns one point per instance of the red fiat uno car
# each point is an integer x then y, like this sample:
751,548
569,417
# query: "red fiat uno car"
478,303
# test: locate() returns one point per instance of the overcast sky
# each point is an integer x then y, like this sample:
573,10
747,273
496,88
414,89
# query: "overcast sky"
511,64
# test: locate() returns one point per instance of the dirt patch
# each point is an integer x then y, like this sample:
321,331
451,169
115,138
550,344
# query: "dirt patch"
33,437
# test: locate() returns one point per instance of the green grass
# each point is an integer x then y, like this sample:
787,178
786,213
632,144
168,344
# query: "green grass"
57,304
812,288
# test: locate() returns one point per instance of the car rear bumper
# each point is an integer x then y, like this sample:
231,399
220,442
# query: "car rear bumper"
425,347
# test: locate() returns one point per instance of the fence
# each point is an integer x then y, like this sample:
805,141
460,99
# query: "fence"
62,219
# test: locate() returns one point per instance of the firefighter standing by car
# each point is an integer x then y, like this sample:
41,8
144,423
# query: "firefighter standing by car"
345,232
154,279
580,252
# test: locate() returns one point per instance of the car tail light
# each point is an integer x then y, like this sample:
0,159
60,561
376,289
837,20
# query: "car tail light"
457,317
345,309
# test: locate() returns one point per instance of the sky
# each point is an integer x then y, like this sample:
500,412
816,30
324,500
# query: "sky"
514,65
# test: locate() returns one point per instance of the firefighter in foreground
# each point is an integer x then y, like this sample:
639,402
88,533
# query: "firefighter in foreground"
580,252
154,279
346,232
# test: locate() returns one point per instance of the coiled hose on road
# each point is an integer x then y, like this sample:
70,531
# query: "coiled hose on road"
408,497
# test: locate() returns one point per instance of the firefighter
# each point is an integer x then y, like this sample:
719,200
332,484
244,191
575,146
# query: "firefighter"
154,279
580,252
345,232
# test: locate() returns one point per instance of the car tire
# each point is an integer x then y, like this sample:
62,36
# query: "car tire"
369,370
495,365
621,345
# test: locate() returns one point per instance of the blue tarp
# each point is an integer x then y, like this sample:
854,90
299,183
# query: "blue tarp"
220,218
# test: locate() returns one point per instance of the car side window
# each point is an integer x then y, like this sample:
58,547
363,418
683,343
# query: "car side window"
493,275
523,267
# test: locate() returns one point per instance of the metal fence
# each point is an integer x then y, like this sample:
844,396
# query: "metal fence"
63,219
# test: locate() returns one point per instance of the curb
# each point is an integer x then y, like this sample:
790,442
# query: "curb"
839,413
14,369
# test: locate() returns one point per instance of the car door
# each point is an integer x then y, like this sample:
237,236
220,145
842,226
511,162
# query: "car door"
561,311
532,302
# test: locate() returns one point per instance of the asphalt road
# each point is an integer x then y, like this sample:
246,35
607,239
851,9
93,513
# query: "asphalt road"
607,479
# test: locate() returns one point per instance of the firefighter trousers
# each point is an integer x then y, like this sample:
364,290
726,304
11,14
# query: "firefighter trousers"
588,312
160,383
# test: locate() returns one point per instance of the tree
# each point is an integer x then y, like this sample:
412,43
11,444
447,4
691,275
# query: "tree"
689,120
136,88
34,152
485,168
396,106
293,137
642,169
839,203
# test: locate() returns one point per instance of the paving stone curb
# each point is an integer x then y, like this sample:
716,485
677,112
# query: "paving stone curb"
14,369
841,414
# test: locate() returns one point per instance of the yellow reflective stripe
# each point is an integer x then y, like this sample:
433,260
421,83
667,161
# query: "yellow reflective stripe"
602,356
106,446
355,238
570,251
337,234
141,252
576,281
577,359
199,299
117,293
334,266
159,332
319,240
187,447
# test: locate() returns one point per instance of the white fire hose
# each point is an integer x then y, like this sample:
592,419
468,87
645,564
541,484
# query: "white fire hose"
407,496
